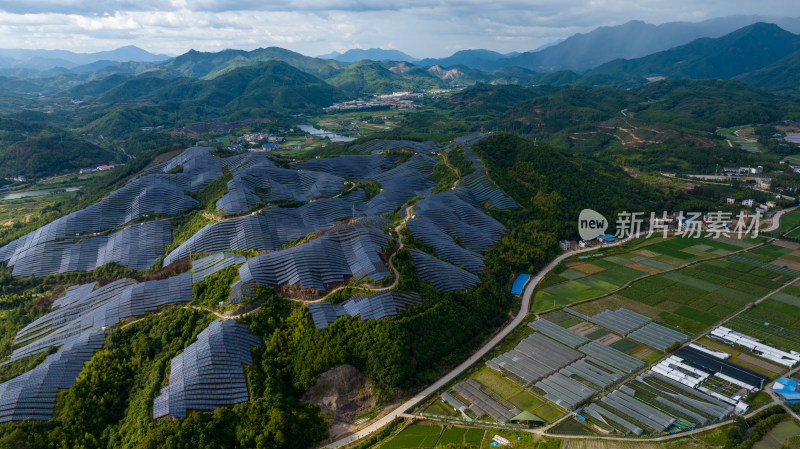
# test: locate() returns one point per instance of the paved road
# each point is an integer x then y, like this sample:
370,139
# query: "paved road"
400,411
776,220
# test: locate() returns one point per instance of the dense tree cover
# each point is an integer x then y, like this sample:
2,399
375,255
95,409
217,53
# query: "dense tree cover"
36,149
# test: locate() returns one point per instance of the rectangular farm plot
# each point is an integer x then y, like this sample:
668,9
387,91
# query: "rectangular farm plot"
497,383
415,436
460,435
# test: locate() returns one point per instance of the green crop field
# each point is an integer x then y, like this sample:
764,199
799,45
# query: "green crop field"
460,435
526,401
495,382
778,435
413,436
789,221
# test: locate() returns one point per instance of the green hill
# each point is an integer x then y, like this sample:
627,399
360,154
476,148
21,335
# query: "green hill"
267,89
782,77
745,50
39,149
368,77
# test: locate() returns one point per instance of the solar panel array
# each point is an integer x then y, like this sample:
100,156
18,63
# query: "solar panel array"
265,231
457,215
483,404
482,188
32,395
137,247
444,246
564,391
100,308
657,336
376,306
612,356
621,321
209,373
351,166
155,191
352,250
377,146
402,183
206,266
277,226
533,358
559,333
260,182
442,275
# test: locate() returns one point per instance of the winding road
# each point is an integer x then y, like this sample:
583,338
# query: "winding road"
401,410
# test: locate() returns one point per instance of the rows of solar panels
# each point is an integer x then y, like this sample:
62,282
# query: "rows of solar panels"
355,251
77,327
275,227
32,395
378,146
70,243
87,307
482,188
375,306
209,373
206,266
443,218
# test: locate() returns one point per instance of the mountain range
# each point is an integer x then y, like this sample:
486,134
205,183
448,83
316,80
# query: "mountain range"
762,54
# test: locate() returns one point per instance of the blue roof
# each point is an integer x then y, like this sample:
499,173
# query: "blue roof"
606,237
519,283
787,388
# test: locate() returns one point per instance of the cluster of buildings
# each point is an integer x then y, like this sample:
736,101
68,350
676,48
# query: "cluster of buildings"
257,141
761,208
105,167
396,100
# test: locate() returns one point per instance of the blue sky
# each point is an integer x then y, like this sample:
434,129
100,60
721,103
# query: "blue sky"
422,28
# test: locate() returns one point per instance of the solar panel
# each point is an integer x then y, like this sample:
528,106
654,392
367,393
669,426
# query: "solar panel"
442,275
375,306
209,373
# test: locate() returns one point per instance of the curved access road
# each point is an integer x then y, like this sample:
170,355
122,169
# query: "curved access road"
776,220
400,410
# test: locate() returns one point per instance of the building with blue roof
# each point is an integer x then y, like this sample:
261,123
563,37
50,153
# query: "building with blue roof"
606,238
519,284
787,389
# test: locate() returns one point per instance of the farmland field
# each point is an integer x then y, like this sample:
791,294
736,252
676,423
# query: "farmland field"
497,383
413,436
460,435
589,277
778,435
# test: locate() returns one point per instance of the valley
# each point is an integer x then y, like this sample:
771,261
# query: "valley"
262,249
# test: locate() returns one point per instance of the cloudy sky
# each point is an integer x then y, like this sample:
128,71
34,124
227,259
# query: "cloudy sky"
422,28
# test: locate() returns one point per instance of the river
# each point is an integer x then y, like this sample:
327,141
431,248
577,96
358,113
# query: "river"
34,193
322,133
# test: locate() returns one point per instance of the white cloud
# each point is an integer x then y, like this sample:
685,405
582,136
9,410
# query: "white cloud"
421,28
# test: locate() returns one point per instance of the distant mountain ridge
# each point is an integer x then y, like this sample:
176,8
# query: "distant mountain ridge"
51,59
750,48
372,54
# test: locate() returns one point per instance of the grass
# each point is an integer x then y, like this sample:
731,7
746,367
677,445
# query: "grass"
495,382
526,401
413,436
789,221
547,412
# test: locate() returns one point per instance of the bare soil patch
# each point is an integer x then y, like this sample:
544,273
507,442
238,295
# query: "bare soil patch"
342,393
